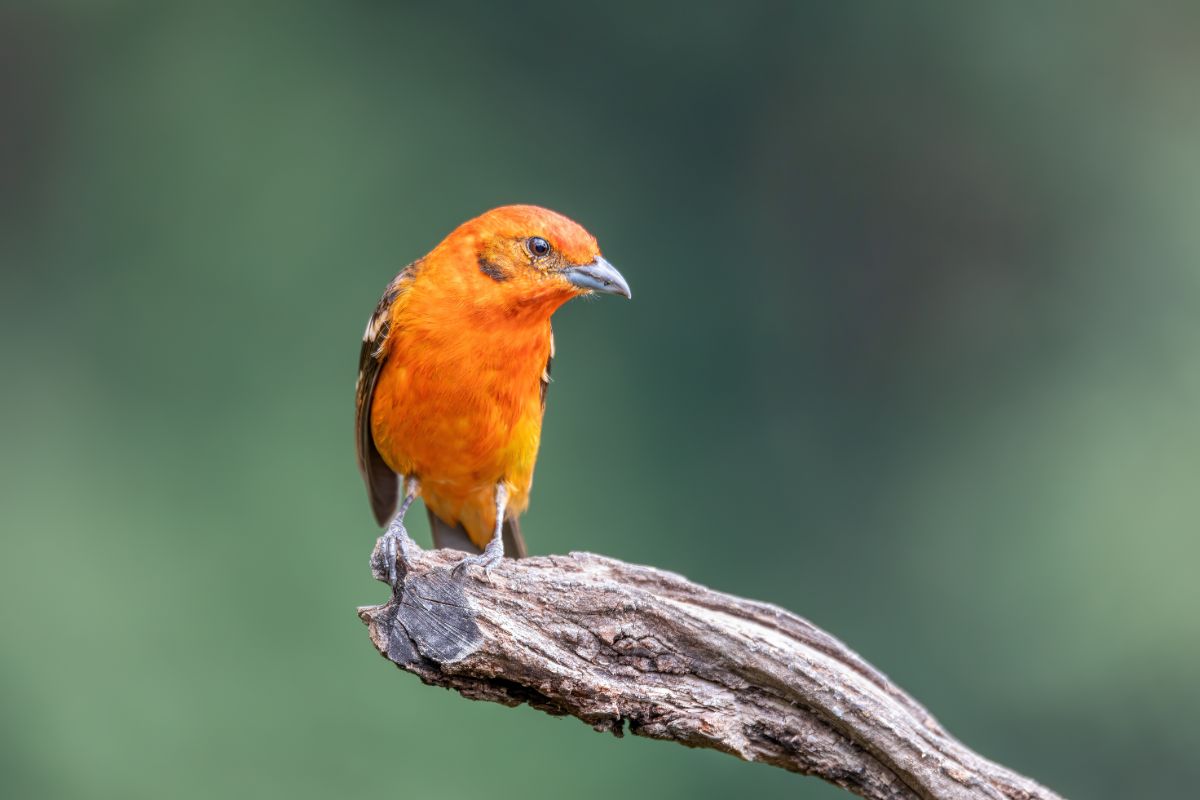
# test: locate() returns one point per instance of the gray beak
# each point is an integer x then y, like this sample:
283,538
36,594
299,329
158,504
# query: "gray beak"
598,276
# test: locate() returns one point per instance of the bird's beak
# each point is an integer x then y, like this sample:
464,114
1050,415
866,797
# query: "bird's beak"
598,276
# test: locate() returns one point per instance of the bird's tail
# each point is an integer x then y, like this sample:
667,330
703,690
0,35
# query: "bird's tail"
455,537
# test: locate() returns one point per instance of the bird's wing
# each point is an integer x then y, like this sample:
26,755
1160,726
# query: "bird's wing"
382,483
546,371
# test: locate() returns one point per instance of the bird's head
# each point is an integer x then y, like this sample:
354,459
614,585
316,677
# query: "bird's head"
531,257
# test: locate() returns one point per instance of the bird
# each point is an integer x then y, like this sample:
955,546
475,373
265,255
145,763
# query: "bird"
453,374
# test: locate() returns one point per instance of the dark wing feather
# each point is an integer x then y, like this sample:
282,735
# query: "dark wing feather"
383,485
546,371
514,542
455,537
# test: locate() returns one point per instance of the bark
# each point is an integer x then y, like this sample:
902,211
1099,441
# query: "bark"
618,645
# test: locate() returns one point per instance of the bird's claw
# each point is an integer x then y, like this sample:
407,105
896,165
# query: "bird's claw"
488,559
397,541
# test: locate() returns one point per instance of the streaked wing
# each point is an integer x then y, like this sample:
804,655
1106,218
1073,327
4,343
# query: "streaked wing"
382,483
545,380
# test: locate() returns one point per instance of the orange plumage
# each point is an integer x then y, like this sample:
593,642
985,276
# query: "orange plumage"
456,360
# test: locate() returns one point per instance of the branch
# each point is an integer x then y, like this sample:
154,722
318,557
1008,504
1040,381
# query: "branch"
614,643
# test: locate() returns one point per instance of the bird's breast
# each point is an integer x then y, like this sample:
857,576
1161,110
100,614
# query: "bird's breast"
461,409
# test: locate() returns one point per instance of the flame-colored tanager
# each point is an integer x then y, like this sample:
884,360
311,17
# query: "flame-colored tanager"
453,375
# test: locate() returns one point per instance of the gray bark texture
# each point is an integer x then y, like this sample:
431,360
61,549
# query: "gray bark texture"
617,644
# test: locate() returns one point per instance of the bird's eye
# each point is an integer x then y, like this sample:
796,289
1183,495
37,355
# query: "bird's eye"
538,246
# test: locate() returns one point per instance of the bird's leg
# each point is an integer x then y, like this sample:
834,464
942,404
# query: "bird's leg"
396,536
494,551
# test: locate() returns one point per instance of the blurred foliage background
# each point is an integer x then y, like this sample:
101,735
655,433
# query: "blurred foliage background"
913,352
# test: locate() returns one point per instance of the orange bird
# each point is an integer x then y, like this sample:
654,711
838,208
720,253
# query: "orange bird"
453,375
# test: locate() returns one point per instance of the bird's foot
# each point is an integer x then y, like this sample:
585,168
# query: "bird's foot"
395,541
492,555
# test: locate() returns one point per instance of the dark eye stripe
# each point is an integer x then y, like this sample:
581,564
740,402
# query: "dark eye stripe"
491,270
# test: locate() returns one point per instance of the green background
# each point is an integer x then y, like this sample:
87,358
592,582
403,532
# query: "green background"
914,351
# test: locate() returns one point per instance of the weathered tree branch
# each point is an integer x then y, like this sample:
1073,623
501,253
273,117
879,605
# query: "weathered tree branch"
614,643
